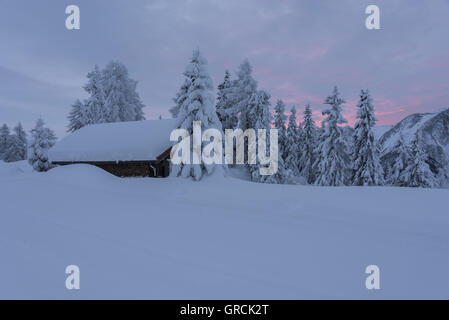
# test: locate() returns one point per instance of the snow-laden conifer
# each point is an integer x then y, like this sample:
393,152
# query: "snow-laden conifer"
307,151
259,117
122,102
42,139
395,175
418,174
112,97
226,113
367,170
4,139
94,106
240,93
332,160
198,105
77,116
280,120
180,97
292,146
17,147
283,174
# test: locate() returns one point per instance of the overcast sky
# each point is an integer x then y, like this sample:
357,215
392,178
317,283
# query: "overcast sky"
299,50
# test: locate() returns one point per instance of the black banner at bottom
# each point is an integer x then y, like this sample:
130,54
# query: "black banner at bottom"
216,309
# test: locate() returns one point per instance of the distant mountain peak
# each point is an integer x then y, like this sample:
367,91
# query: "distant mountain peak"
432,131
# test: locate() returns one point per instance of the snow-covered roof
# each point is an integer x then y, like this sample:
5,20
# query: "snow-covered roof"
121,141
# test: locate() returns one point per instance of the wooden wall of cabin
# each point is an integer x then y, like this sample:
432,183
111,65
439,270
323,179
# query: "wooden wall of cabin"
131,169
126,169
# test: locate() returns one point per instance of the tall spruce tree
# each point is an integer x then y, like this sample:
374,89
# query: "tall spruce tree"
17,147
122,102
283,175
77,116
23,142
280,120
4,139
293,144
259,117
418,174
42,139
240,93
226,114
307,152
396,176
367,170
94,106
197,106
112,98
299,142
332,160
179,98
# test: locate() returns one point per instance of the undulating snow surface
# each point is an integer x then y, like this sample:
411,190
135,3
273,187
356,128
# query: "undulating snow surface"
218,238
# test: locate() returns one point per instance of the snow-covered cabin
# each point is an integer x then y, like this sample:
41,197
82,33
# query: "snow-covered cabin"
125,149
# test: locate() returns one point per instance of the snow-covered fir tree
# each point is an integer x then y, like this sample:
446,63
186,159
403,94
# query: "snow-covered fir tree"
21,136
112,98
280,120
442,177
332,160
395,175
4,139
122,102
283,175
95,110
77,116
17,147
299,141
259,117
307,152
417,174
42,139
180,98
198,106
226,114
292,145
367,170
240,93
10,154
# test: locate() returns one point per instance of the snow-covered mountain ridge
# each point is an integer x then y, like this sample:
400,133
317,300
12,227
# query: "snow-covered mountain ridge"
432,131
